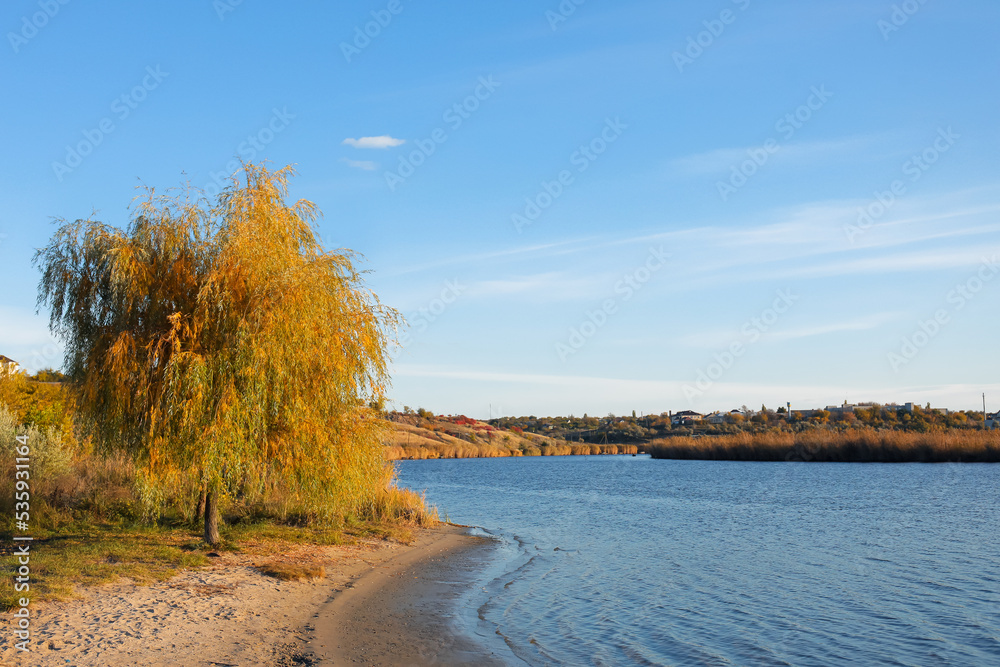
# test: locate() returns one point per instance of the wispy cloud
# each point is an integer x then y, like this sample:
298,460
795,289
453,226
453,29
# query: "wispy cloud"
941,232
722,338
860,324
721,160
538,250
544,287
364,165
970,257
421,371
808,241
577,393
383,141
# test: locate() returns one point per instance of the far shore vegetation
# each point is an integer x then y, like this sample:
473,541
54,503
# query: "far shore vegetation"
855,445
872,433
423,435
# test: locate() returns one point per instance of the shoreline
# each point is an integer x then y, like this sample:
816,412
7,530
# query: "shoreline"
377,603
403,612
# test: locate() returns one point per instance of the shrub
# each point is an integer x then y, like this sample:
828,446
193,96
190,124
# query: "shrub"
50,454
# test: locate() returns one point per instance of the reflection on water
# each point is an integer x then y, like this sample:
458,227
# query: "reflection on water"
615,560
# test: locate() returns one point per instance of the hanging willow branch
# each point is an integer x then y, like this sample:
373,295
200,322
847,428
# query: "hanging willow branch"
220,343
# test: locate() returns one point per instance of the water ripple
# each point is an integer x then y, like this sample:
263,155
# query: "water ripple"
625,560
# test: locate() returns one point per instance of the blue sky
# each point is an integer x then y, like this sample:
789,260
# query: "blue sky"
596,207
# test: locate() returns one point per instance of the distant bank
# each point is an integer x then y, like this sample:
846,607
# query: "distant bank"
849,446
429,437
463,438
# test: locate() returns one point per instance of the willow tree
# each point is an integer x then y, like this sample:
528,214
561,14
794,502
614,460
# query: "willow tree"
218,342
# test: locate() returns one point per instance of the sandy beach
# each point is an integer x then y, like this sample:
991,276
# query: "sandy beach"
402,612
379,603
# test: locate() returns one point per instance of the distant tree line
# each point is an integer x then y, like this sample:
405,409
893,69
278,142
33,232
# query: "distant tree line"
636,429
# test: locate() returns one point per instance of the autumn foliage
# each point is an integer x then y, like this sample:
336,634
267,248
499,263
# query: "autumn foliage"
221,347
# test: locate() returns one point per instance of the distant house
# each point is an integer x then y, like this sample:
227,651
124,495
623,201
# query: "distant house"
717,418
685,418
993,421
8,366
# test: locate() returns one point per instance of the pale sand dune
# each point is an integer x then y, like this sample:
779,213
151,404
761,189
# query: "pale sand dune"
226,614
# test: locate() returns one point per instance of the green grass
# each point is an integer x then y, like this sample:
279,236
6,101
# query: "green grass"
87,554
92,555
260,533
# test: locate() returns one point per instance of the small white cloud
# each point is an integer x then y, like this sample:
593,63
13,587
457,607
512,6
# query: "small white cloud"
366,165
384,141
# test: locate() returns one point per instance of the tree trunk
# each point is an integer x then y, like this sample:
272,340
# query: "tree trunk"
200,509
212,517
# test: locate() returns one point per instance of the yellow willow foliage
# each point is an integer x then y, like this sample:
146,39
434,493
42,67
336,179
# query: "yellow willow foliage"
219,342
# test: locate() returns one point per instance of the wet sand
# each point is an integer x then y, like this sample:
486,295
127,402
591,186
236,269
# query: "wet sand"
403,612
379,603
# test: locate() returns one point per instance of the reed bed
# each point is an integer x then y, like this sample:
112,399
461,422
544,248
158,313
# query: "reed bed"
478,451
854,445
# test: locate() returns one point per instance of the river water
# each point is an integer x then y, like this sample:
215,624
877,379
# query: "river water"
614,560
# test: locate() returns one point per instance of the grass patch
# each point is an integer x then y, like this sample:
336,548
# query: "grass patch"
383,530
267,537
86,554
93,555
292,571
267,531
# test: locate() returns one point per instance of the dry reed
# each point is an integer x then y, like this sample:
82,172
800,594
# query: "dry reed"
855,445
